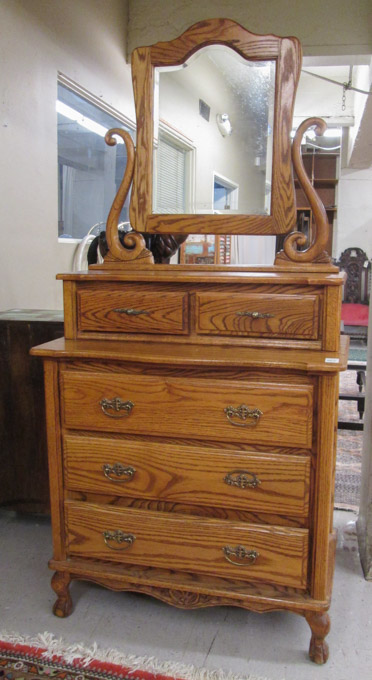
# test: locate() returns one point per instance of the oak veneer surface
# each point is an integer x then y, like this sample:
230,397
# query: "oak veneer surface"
192,355
189,543
177,406
284,315
176,474
150,311
307,275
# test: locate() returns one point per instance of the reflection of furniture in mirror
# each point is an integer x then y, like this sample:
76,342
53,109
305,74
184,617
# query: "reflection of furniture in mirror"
192,408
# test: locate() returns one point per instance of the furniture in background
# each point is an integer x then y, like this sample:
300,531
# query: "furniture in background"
191,409
359,396
206,249
355,304
24,475
322,169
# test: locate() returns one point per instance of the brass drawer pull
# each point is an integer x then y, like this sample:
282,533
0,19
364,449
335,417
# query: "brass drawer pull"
243,412
241,479
248,557
123,540
116,405
129,311
118,470
256,315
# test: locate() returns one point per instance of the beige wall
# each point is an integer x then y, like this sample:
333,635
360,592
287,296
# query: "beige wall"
85,40
325,27
354,213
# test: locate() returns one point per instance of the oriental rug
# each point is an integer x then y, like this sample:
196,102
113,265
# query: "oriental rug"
45,657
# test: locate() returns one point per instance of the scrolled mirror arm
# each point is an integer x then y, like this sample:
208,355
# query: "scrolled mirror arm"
316,251
133,244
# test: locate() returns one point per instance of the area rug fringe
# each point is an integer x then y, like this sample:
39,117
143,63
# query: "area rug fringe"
57,647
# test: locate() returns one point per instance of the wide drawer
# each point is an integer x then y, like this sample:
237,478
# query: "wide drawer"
263,315
228,478
266,413
129,309
232,549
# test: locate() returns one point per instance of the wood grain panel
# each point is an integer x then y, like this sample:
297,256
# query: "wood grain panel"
292,316
189,508
181,473
150,311
176,406
189,543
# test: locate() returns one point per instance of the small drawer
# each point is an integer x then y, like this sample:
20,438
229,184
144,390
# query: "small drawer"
264,413
220,547
253,315
213,477
129,309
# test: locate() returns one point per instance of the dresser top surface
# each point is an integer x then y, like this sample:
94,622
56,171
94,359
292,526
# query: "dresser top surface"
212,274
219,356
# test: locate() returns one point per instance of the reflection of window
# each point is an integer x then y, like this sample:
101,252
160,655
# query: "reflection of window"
172,181
89,171
225,194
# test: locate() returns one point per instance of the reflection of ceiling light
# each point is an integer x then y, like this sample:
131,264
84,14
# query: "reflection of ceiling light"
85,122
224,125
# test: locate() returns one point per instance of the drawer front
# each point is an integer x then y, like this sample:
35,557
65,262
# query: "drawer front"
231,549
264,315
123,309
228,478
279,414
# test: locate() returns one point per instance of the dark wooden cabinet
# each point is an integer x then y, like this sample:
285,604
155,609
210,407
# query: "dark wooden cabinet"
24,470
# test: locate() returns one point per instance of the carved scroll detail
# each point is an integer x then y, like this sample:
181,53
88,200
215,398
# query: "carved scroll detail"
316,251
133,246
183,599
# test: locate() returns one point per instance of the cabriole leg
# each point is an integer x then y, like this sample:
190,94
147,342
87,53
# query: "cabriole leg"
60,583
320,624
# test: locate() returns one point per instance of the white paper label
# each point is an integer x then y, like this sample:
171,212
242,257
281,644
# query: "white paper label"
331,360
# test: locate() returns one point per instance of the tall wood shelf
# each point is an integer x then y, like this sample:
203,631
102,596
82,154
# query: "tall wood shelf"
322,169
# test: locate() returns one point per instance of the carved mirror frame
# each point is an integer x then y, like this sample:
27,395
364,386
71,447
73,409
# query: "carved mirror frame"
286,52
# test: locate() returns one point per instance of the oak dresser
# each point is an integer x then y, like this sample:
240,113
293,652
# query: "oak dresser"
192,413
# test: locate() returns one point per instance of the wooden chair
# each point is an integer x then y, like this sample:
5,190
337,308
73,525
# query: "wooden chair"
354,314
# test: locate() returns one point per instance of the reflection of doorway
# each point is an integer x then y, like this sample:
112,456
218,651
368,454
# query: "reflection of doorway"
225,193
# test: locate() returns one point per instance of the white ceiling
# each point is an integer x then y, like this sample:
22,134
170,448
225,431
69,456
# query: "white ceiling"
318,97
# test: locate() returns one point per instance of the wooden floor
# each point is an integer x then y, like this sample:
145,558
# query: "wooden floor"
272,645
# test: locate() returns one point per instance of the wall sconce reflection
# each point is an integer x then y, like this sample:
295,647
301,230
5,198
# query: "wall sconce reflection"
224,125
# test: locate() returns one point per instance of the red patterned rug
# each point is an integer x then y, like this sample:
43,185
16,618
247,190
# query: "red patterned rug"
22,662
45,657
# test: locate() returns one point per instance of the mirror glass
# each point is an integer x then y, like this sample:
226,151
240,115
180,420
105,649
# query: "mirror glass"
213,135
